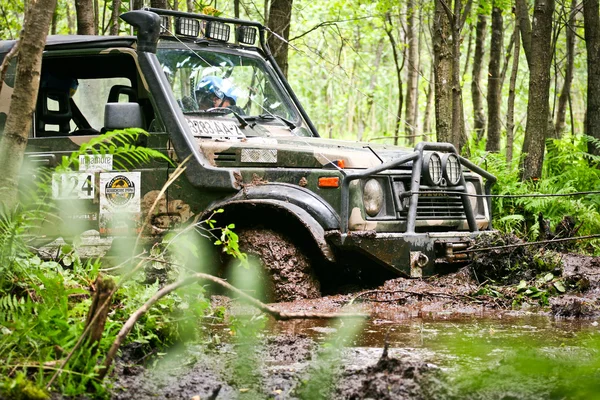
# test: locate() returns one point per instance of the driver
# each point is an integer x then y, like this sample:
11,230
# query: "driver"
215,92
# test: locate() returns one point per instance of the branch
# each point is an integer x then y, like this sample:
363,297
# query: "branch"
466,13
449,12
410,293
278,315
4,67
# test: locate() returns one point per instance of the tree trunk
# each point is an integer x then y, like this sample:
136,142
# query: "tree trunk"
280,15
138,4
114,17
565,93
428,105
413,73
236,8
27,82
459,138
85,17
190,6
592,44
476,92
442,55
70,22
54,21
96,14
510,112
494,80
159,4
399,66
538,51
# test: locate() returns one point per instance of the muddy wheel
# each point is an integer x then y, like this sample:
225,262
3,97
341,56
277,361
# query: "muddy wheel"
288,272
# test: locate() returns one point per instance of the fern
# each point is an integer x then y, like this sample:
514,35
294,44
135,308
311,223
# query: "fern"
119,144
11,307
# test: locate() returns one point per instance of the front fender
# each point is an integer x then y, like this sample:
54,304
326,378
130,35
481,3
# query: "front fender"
287,195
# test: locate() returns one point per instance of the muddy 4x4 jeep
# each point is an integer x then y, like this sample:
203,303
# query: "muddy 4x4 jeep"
252,151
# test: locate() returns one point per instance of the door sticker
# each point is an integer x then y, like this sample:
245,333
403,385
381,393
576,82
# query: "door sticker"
73,185
94,163
119,203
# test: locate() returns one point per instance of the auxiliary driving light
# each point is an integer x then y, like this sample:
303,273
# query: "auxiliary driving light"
187,27
372,197
432,168
451,167
217,31
245,34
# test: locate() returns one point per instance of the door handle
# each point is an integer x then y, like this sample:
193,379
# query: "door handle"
42,160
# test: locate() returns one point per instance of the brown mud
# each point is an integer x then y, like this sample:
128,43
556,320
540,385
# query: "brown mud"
287,358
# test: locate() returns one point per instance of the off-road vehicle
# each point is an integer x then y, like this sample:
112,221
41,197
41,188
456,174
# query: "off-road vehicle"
206,91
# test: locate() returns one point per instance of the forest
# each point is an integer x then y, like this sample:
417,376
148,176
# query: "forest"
514,86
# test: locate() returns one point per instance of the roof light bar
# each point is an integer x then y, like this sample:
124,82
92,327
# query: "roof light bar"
164,24
217,31
187,27
245,34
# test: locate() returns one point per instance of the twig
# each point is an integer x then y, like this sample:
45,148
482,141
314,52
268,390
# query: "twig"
4,67
278,315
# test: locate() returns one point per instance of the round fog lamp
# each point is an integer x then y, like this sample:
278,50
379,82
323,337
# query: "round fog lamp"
432,165
452,169
372,197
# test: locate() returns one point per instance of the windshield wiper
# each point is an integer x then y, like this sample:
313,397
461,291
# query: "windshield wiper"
221,111
271,117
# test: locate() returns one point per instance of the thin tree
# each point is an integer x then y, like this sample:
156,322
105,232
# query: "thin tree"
538,52
494,80
114,17
479,117
510,108
399,65
412,78
565,93
86,22
280,16
591,20
26,85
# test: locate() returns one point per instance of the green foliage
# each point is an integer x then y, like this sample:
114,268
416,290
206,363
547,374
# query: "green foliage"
568,169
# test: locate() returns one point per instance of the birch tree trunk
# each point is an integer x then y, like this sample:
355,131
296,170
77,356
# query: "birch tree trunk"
494,81
27,82
592,43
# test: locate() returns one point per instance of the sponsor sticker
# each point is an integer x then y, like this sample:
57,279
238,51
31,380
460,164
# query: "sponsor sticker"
214,128
119,203
73,185
93,163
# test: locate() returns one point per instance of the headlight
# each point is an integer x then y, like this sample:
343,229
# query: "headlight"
373,197
451,167
432,168
471,189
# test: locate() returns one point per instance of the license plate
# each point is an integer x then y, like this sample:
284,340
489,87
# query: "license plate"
73,185
214,128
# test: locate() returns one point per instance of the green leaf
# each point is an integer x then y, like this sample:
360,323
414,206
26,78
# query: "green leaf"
559,286
522,286
548,277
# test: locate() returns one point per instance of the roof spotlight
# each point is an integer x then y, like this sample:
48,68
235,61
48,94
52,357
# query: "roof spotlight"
217,31
164,24
187,27
245,34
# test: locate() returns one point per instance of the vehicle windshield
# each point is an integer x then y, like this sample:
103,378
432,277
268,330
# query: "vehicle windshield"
204,81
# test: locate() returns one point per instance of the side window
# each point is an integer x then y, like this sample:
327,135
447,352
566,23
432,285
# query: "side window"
78,95
93,94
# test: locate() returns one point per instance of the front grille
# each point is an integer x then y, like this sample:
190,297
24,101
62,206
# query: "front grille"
431,206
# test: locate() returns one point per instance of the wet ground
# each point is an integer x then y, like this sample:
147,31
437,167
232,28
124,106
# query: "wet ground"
443,341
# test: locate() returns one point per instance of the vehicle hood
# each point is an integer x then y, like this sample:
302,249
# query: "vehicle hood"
298,152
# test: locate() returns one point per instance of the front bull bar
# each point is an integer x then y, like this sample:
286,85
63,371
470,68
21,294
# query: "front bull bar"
417,157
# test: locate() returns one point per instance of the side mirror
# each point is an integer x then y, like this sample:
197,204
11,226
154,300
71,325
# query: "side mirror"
122,115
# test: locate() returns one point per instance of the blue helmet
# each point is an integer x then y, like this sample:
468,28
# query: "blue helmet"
216,86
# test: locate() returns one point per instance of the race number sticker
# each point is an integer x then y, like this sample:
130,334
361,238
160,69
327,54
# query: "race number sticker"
94,163
119,192
215,128
73,185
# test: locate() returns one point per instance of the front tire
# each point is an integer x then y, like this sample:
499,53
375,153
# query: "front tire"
289,272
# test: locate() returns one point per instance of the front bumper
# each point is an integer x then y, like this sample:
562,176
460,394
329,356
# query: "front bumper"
414,254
